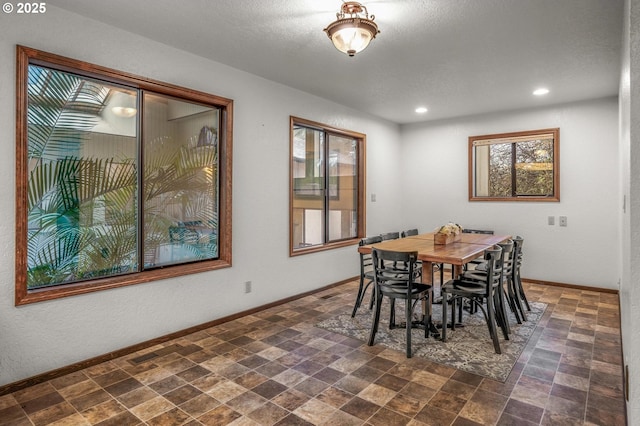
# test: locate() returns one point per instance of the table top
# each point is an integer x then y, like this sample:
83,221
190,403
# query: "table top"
457,253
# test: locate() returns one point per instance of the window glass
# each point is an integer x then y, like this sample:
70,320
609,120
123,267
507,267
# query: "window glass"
120,180
180,181
521,166
82,156
327,206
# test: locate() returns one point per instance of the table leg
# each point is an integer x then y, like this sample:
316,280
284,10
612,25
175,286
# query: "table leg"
427,308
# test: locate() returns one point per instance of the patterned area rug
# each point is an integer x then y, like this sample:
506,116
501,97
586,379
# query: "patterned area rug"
468,348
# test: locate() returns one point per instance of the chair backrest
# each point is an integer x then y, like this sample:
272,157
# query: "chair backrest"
366,263
495,258
384,276
390,236
518,242
370,240
508,259
478,231
409,232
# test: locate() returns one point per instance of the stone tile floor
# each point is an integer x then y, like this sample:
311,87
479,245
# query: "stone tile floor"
276,368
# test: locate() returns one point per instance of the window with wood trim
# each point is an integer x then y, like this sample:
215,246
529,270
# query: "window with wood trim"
327,196
519,166
121,179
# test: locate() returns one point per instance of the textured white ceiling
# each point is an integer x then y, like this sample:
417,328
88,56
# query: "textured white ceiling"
456,57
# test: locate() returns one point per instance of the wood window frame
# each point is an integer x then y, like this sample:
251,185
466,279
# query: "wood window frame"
27,56
361,178
516,137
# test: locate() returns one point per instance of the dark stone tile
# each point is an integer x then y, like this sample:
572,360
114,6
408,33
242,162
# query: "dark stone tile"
123,387
509,420
199,405
42,402
293,420
167,384
220,415
386,417
193,373
308,367
392,382
405,404
182,394
381,364
291,399
569,393
329,375
435,416
268,414
111,378
122,419
524,411
311,386
360,408
89,400
447,401
334,397
269,389
13,414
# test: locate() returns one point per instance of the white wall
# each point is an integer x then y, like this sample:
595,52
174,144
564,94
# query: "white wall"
44,336
630,183
587,251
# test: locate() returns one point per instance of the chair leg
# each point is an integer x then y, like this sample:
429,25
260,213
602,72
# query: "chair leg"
361,290
512,300
517,301
491,323
408,313
392,314
501,313
523,296
376,318
444,315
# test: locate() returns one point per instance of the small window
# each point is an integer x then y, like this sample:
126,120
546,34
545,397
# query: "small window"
522,166
327,187
121,180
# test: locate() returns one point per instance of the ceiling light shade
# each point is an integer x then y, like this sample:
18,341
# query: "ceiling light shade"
353,29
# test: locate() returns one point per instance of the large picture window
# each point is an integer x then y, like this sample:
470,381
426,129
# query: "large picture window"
327,186
121,179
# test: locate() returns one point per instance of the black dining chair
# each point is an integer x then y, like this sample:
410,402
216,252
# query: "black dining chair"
441,266
390,236
480,293
409,233
398,284
504,295
517,279
366,272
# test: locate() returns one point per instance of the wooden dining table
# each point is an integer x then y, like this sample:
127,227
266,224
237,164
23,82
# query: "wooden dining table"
457,253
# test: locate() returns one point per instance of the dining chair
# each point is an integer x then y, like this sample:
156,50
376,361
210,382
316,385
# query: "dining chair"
409,232
503,295
472,262
517,279
398,284
480,293
390,236
366,273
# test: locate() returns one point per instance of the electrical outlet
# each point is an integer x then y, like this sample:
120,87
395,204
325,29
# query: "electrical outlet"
563,221
551,220
247,286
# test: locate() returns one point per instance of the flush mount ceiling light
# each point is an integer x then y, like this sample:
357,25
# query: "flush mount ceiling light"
541,91
353,30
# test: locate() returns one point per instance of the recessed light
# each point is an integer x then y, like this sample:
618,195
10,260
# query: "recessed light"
421,110
541,91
